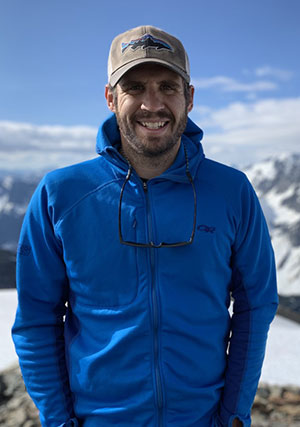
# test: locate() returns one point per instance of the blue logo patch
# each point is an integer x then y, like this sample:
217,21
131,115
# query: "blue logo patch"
206,228
146,42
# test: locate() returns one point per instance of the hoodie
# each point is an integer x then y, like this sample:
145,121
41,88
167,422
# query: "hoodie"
109,334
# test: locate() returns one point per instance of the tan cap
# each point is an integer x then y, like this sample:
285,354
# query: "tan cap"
146,44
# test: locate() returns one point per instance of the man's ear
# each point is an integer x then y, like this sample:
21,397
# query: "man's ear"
191,102
109,99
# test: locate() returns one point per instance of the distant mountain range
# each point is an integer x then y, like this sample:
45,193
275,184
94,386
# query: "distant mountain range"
15,193
276,181
7,269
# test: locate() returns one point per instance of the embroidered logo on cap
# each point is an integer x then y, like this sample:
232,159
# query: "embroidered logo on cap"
146,42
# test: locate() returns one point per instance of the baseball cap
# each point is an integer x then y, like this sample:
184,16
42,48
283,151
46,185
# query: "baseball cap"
146,44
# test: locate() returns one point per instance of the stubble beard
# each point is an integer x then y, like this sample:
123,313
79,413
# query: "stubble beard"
151,148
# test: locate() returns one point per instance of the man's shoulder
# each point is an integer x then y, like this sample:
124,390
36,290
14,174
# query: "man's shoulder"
227,182
65,187
78,177
77,172
221,173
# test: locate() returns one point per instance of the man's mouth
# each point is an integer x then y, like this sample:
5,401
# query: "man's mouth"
153,125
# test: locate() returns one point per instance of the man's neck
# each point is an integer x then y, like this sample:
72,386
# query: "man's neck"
149,167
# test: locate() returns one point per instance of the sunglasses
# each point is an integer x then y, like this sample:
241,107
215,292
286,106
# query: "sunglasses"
162,244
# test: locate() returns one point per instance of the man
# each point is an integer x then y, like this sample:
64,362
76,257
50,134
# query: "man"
141,250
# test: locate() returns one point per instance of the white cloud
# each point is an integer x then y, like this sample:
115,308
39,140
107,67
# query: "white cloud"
242,133
27,146
274,72
227,84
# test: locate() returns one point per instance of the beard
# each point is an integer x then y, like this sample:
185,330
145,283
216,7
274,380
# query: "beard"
151,146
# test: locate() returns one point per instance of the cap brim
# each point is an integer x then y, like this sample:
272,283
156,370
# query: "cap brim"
116,76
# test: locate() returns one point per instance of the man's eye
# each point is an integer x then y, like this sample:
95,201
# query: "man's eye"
168,88
135,88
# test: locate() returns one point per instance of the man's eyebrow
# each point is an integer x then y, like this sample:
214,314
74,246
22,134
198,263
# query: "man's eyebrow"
171,82
126,83
130,82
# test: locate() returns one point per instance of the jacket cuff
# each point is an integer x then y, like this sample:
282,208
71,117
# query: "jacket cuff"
225,418
72,422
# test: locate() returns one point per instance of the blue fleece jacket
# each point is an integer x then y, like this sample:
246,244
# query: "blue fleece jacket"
109,334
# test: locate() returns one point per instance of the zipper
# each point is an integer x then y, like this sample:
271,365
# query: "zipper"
155,314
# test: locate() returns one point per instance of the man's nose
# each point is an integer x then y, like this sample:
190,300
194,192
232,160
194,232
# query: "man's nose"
152,100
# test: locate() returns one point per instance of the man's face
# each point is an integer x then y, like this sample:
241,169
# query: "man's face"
151,109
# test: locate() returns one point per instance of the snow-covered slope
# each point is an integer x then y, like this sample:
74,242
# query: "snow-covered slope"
15,193
277,182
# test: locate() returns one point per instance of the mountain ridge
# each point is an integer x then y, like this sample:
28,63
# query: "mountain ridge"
276,181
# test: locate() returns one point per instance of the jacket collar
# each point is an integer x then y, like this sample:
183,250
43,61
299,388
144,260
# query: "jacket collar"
108,143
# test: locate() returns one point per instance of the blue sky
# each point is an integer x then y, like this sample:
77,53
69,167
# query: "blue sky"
244,63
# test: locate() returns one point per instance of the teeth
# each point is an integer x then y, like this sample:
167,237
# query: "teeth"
152,125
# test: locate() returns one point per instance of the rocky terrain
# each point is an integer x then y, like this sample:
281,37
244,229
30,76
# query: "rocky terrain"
273,407
276,406
16,407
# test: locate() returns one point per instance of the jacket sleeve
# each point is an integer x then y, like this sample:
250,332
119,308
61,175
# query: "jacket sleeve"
255,302
38,331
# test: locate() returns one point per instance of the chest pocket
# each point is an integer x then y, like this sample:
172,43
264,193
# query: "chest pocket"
102,272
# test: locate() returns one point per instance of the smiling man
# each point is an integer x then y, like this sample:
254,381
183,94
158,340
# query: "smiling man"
151,104
127,265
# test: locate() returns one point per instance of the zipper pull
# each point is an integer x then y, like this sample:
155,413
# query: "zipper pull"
145,186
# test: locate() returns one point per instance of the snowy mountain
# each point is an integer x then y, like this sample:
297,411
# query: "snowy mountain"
276,180
277,183
7,269
15,193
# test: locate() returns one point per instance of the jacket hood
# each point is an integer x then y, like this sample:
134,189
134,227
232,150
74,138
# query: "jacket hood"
108,143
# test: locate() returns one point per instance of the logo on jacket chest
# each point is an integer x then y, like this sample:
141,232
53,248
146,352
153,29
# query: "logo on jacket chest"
206,228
